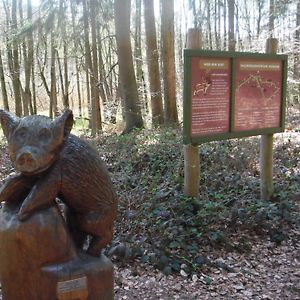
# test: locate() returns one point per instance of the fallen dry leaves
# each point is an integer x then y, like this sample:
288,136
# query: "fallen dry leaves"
269,272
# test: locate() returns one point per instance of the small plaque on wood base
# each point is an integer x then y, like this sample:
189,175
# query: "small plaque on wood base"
72,289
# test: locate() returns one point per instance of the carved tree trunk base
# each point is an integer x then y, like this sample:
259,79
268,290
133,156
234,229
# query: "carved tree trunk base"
38,261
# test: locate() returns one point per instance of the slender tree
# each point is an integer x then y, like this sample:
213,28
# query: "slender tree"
25,94
142,88
101,70
132,109
15,74
216,23
231,38
271,18
260,4
30,60
225,24
92,64
53,110
168,59
248,17
3,85
296,74
77,68
208,16
96,115
153,63
62,22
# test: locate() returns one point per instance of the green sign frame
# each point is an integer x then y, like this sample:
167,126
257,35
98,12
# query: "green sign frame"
234,59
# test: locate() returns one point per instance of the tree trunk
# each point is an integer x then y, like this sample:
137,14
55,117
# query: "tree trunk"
168,59
231,34
73,15
101,70
102,73
138,55
15,62
66,77
237,30
53,111
96,115
195,14
133,117
92,65
61,78
259,17
297,44
30,60
153,65
42,39
3,85
225,24
209,25
216,20
61,22
34,107
78,88
271,18
26,94
296,75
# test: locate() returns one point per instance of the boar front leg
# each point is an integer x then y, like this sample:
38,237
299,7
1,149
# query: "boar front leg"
16,188
42,195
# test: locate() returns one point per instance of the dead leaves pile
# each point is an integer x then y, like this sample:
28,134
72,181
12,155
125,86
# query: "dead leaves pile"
268,273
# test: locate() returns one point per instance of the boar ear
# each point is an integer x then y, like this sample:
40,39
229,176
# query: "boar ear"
8,122
65,122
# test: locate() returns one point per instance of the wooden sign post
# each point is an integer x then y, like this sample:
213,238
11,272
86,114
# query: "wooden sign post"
233,95
266,146
191,152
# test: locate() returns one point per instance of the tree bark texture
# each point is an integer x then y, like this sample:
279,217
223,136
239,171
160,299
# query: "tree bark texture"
271,18
96,114
133,117
3,85
15,62
168,60
153,64
53,89
231,35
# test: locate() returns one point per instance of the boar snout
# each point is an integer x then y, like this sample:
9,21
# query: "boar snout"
26,160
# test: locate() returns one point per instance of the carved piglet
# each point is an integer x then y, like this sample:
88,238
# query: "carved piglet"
54,163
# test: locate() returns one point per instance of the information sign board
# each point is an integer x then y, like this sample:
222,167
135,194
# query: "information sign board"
232,94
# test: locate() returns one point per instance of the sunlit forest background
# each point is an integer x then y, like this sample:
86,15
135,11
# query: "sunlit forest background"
57,54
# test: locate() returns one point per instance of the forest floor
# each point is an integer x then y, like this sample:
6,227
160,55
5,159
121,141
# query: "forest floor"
269,272
229,244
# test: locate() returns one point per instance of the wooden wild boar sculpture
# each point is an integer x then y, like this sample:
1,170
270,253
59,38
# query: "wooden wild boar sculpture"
54,163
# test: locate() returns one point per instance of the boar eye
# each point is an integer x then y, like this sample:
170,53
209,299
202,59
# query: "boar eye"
21,134
45,135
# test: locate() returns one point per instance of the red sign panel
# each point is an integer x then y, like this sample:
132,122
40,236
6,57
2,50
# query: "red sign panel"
258,93
232,94
210,91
